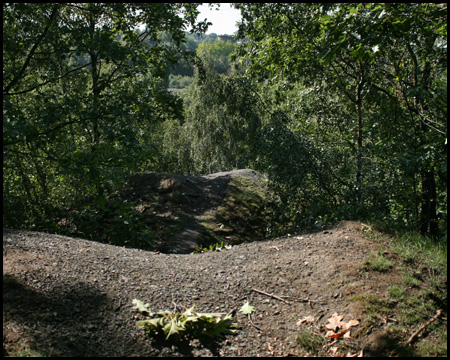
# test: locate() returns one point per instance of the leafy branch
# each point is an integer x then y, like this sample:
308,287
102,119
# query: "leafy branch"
188,322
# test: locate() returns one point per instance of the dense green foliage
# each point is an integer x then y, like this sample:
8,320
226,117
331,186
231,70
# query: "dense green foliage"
343,105
81,96
365,84
218,130
216,55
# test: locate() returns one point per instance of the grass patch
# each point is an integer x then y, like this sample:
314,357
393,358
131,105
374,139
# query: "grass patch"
378,262
309,340
376,307
415,247
435,345
421,292
396,292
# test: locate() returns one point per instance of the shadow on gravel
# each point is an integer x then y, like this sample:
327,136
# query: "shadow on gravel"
61,322
186,346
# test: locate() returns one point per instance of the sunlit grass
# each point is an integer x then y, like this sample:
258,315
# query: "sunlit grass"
422,291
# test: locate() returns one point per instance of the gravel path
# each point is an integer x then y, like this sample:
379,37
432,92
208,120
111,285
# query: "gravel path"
73,297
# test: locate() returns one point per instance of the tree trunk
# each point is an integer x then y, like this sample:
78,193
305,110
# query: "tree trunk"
359,163
95,91
428,216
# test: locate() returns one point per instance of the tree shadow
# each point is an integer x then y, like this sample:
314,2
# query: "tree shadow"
69,320
185,345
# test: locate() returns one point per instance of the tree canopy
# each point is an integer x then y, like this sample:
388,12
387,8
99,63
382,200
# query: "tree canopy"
378,75
81,92
343,105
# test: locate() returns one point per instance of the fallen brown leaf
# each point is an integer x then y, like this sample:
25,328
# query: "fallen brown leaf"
350,323
335,322
339,335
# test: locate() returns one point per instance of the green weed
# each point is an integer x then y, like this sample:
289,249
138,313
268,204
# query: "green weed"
189,322
214,247
421,292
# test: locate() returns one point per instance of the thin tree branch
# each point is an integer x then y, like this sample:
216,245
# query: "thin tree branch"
48,81
271,295
413,336
21,73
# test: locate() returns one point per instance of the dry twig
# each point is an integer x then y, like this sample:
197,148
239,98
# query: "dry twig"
271,295
413,336
253,324
308,300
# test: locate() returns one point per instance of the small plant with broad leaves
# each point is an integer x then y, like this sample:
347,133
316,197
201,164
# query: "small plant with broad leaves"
187,323
214,247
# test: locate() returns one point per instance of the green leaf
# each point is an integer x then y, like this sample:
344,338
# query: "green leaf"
247,308
152,324
353,10
210,324
221,327
173,327
140,306
190,311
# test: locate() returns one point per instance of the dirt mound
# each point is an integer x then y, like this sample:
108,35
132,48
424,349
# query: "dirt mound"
73,297
66,296
186,212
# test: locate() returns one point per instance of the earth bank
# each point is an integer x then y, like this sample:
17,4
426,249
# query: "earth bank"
73,297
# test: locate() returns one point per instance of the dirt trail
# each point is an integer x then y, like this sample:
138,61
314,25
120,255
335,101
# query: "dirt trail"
190,211
72,297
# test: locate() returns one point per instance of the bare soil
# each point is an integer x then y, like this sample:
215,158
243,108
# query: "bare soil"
65,296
